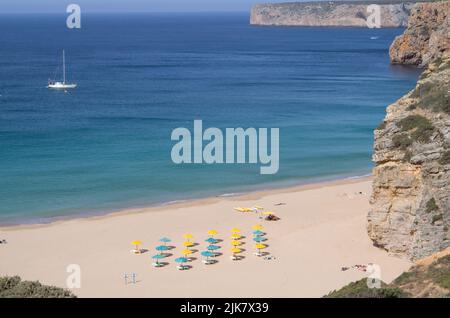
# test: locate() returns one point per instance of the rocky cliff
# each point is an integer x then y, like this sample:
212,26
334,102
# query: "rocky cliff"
410,204
330,13
427,35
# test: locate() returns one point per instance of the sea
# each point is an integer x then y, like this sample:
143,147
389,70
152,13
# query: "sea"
106,145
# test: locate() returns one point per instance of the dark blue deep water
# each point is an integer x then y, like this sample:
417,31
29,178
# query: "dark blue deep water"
106,145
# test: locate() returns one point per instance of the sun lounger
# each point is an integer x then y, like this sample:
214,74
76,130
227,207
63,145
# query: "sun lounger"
182,267
135,251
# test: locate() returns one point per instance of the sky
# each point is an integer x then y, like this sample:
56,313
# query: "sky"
55,6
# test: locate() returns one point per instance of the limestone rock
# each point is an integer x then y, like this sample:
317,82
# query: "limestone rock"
427,36
394,13
410,204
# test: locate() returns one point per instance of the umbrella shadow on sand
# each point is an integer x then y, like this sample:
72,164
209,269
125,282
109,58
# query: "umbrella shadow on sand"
163,264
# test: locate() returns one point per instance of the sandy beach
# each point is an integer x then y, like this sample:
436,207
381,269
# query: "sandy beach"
322,228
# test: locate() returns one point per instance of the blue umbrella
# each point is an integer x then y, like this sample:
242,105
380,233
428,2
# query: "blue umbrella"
213,247
162,248
157,257
181,260
211,240
207,254
258,232
165,240
259,239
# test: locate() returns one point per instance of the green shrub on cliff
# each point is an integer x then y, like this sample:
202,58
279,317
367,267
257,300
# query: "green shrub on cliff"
436,218
445,158
431,206
401,141
421,128
431,280
14,287
359,289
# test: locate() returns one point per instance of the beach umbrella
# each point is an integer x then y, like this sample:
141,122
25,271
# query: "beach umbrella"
165,240
162,248
258,232
248,210
235,243
207,254
186,252
235,250
188,244
212,247
136,244
211,240
235,236
257,227
268,213
260,246
181,260
235,230
212,232
157,257
258,239
188,236
239,209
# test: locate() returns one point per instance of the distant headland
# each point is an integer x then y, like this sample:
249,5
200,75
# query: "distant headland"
394,13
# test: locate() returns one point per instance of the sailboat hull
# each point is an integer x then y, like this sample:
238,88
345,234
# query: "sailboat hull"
59,85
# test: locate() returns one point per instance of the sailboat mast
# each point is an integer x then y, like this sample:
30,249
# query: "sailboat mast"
64,67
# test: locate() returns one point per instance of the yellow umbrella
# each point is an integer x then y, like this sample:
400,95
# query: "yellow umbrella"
235,243
235,250
268,213
188,236
247,210
259,207
186,252
257,227
136,244
188,244
212,232
260,246
235,236
239,209
235,230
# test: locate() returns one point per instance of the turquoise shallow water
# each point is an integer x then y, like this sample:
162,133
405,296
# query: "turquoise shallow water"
106,145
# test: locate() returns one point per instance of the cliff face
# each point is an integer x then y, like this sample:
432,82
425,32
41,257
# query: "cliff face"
329,13
410,204
427,35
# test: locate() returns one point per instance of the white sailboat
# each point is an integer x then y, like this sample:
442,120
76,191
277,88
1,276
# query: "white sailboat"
61,85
